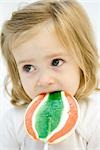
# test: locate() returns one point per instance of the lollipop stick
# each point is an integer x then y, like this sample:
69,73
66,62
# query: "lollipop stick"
46,146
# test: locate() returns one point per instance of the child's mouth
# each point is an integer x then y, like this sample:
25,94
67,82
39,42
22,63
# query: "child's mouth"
49,92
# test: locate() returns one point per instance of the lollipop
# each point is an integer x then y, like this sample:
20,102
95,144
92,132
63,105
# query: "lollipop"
51,117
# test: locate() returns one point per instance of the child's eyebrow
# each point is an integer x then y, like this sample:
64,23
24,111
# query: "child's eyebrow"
25,61
57,55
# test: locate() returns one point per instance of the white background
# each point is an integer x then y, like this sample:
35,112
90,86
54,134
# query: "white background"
8,6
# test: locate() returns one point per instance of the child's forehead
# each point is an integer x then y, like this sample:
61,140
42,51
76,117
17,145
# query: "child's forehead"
32,32
43,38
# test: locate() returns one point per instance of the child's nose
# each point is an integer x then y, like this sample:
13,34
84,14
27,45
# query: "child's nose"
46,79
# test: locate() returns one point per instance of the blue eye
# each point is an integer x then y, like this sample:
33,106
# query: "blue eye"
28,68
57,62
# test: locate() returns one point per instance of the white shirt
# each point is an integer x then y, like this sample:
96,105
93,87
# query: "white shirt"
85,137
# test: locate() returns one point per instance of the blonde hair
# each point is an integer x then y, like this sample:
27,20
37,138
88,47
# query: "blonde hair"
73,29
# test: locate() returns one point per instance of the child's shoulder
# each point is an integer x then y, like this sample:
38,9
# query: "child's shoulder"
14,112
12,122
13,117
89,114
92,101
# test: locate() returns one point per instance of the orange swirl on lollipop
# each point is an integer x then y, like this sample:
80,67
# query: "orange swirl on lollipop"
52,117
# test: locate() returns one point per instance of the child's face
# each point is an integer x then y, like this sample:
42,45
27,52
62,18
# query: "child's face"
45,65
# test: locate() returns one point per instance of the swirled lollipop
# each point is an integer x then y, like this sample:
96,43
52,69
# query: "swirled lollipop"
51,117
